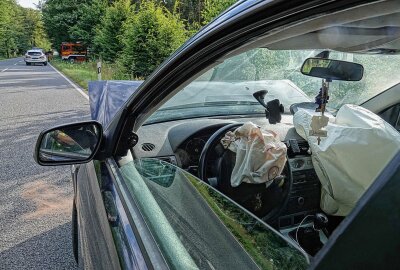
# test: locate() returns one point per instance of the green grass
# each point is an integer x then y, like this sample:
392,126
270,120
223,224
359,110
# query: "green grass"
82,73
237,229
267,249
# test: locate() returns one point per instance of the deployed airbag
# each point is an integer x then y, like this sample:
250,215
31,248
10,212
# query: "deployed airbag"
260,155
358,146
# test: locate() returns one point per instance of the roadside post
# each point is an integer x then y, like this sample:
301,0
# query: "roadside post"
99,70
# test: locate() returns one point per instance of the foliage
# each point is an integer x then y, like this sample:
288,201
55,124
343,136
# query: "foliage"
137,34
59,16
212,8
151,35
8,29
20,29
89,15
267,249
108,40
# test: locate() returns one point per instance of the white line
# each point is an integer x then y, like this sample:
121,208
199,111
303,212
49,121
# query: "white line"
4,69
77,88
15,64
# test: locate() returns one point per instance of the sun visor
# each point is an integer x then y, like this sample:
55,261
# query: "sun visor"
107,97
358,146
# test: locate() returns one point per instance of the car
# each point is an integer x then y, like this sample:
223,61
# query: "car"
35,56
269,140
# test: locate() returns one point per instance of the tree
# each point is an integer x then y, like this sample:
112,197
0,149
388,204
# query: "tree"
107,41
59,16
150,36
34,32
188,10
89,16
8,42
212,8
20,29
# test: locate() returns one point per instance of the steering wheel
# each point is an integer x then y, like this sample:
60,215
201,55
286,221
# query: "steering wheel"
215,168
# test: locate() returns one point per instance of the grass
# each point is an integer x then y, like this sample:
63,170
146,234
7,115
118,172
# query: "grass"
237,229
82,73
267,249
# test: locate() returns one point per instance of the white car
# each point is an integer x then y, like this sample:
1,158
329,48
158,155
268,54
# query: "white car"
35,56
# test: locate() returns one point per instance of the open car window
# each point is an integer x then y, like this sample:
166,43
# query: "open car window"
197,227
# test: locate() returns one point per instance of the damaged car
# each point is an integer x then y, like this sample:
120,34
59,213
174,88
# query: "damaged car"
269,140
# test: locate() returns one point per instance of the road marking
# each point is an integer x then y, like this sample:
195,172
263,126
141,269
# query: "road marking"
4,69
15,64
77,88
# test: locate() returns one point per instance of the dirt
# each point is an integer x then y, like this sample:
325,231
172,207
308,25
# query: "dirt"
48,199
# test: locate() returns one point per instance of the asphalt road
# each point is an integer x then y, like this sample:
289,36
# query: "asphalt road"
35,201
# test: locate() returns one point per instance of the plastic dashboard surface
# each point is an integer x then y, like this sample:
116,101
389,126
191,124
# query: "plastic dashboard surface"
164,139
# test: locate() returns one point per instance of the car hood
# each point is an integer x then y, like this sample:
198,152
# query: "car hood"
106,98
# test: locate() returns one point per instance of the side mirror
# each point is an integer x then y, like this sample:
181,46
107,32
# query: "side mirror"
332,69
68,144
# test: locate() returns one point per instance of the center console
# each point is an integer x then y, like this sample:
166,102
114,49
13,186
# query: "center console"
305,194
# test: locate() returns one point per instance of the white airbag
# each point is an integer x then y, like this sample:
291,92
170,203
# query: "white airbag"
358,146
260,155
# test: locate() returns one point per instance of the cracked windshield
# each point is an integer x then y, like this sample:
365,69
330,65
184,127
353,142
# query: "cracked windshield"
278,72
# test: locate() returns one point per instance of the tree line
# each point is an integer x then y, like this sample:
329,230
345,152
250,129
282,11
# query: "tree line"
136,35
20,29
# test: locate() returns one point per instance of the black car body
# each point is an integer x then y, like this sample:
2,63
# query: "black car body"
138,205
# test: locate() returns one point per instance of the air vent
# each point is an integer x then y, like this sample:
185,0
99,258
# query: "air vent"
148,147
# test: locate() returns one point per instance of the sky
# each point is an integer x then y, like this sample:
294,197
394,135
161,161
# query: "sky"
28,3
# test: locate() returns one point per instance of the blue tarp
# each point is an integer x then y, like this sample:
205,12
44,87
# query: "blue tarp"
107,97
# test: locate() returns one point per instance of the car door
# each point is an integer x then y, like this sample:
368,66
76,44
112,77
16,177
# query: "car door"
182,223
92,238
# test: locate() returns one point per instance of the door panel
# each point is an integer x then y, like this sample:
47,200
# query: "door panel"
127,245
97,244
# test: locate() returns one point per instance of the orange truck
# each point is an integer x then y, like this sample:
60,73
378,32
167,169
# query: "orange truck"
73,52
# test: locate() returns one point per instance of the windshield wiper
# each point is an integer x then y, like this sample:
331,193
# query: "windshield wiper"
210,104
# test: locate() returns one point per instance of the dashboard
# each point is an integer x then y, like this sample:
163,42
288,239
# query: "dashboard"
181,143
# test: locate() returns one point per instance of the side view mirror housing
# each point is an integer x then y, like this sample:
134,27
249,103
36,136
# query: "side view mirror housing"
68,144
332,69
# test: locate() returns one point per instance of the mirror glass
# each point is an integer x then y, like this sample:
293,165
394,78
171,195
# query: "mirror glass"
71,143
332,69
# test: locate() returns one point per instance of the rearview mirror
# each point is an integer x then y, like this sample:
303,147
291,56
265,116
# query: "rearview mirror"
68,144
332,69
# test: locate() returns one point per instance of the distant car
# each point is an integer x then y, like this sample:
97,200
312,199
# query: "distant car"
152,171
35,56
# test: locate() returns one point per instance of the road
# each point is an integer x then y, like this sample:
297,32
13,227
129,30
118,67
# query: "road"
35,201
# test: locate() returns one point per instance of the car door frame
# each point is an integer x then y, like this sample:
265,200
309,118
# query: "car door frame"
142,245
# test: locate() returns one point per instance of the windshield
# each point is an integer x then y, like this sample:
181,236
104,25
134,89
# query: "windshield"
35,53
227,88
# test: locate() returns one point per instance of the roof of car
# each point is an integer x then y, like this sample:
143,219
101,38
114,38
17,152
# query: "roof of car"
35,50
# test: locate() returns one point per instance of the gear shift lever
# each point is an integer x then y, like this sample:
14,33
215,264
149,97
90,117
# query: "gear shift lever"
309,237
320,221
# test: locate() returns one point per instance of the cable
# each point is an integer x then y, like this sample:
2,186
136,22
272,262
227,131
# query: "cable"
298,227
